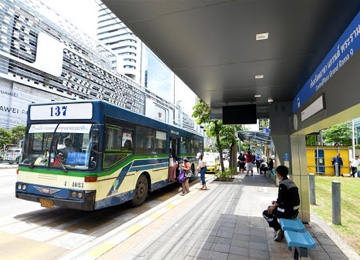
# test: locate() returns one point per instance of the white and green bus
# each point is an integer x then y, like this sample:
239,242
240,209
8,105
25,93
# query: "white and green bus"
116,155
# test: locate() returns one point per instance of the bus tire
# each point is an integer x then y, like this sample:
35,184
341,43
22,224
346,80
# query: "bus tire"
141,191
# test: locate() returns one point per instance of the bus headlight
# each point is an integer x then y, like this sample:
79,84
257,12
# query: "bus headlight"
75,194
21,186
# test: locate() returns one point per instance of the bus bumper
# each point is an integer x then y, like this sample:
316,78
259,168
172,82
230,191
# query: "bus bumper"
86,203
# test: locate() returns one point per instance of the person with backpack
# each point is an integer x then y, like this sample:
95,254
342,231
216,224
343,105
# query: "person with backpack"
186,171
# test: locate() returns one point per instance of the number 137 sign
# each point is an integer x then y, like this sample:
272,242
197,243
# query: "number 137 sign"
61,111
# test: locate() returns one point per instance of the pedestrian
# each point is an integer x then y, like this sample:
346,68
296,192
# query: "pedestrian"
286,205
258,162
249,158
271,165
354,165
241,163
186,168
202,169
337,159
173,166
263,167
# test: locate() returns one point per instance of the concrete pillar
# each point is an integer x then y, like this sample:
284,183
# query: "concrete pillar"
336,203
312,189
300,174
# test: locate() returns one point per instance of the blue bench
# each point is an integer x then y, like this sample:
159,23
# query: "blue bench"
298,239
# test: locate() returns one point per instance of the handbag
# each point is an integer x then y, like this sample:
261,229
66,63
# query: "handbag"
181,177
188,173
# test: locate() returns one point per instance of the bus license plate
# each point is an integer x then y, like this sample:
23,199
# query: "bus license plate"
47,203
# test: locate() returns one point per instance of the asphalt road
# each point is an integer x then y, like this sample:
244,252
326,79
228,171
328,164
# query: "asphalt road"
28,231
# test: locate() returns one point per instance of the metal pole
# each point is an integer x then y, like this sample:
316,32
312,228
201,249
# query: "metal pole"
312,189
317,159
336,203
353,139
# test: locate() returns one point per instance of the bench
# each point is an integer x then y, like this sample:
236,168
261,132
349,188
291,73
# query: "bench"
298,239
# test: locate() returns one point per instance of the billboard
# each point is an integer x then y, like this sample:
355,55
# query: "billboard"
14,101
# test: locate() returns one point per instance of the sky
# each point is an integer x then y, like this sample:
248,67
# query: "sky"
81,13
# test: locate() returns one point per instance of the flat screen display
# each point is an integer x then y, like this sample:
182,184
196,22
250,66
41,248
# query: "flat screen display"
236,115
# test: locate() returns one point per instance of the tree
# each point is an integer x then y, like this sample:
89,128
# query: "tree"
340,133
18,133
223,134
5,137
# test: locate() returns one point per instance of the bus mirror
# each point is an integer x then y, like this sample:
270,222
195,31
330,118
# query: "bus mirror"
95,135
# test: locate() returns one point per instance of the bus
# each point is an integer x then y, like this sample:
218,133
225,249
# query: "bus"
116,155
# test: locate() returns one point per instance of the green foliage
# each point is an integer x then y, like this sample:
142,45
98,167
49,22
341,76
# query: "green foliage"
18,133
311,140
340,133
264,123
224,135
11,136
5,137
227,175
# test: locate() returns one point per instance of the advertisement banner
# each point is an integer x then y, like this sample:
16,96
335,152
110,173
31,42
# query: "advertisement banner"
14,101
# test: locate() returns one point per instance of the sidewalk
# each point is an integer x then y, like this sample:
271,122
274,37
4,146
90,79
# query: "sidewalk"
7,165
224,222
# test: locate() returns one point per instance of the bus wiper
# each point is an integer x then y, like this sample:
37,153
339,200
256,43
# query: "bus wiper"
62,166
31,165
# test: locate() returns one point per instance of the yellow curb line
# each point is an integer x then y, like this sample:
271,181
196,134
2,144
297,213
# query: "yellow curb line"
103,247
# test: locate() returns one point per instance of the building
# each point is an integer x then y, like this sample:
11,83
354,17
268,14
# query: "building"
112,33
43,58
135,60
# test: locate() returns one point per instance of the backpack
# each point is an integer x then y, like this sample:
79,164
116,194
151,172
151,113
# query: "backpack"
181,177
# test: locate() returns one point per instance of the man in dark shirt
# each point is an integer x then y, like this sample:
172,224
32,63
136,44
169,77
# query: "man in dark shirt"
241,163
337,159
286,205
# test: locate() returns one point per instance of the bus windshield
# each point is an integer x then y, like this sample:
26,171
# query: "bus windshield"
69,146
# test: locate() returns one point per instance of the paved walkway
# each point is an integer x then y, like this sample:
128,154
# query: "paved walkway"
224,222
5,165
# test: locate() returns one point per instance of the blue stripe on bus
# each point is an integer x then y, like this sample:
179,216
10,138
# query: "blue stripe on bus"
114,200
150,161
119,179
137,165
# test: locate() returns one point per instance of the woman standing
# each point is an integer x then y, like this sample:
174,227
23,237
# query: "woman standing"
202,168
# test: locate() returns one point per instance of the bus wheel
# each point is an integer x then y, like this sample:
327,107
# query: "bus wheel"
141,191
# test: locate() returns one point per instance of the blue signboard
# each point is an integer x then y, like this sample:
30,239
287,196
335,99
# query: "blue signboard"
76,158
286,157
347,45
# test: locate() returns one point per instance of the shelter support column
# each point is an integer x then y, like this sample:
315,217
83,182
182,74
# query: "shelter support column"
300,174
291,149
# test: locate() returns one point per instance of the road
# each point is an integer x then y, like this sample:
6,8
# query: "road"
28,231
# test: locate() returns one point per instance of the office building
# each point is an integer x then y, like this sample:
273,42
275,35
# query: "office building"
43,57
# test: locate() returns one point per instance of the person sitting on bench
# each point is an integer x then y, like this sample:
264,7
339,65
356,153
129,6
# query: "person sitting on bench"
286,205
